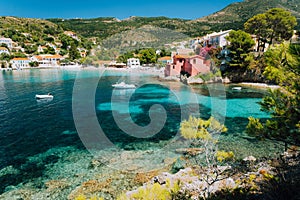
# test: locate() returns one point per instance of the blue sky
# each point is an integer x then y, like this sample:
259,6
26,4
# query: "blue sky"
188,9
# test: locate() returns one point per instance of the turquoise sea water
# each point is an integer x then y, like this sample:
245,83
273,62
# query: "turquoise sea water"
45,140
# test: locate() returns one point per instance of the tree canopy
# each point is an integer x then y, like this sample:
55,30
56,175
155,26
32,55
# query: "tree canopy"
241,44
275,25
282,67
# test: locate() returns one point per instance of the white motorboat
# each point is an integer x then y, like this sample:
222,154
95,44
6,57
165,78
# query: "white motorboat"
44,96
236,88
123,85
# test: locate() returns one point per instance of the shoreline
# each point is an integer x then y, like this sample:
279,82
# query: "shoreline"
145,70
148,70
259,85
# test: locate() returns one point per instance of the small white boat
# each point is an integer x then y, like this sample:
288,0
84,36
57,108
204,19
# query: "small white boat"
236,88
44,96
123,85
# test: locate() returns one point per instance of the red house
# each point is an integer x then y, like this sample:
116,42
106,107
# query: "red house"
190,65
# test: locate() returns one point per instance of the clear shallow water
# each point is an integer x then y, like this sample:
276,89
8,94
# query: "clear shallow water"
29,129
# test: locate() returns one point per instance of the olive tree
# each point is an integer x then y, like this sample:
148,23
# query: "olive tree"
203,134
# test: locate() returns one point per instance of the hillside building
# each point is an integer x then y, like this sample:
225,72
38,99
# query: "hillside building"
133,62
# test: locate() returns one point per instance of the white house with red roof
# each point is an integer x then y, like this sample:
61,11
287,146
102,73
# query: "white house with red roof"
20,63
216,39
47,60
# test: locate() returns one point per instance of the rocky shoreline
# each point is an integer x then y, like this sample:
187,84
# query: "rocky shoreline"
249,177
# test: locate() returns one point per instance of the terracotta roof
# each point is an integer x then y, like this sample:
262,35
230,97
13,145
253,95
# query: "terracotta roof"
39,57
165,58
181,56
20,59
3,48
49,56
196,56
53,56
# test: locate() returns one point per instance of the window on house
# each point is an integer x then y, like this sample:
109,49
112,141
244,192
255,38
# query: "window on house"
194,61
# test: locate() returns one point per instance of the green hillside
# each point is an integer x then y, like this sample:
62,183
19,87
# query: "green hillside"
144,37
105,27
30,33
231,17
28,30
234,15
136,32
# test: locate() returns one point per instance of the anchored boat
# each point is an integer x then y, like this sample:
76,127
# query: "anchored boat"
44,96
123,85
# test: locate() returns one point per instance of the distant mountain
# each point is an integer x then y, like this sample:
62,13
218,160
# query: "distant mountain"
236,14
146,36
106,27
231,17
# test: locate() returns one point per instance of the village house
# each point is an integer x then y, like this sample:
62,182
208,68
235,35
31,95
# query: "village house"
20,63
165,59
133,62
16,47
295,38
216,39
71,34
4,50
41,49
259,46
116,64
83,52
7,41
47,60
194,43
189,65
51,45
185,51
57,50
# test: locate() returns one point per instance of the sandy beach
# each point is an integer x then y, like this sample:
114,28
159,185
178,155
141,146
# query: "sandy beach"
260,85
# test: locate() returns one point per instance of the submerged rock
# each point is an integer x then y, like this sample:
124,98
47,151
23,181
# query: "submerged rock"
190,151
178,165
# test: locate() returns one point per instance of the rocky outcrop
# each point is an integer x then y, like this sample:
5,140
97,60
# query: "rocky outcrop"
194,80
253,75
190,182
197,80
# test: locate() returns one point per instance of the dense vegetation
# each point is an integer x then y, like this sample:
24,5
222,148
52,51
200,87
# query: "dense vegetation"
103,28
232,17
236,14
282,67
273,26
31,33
